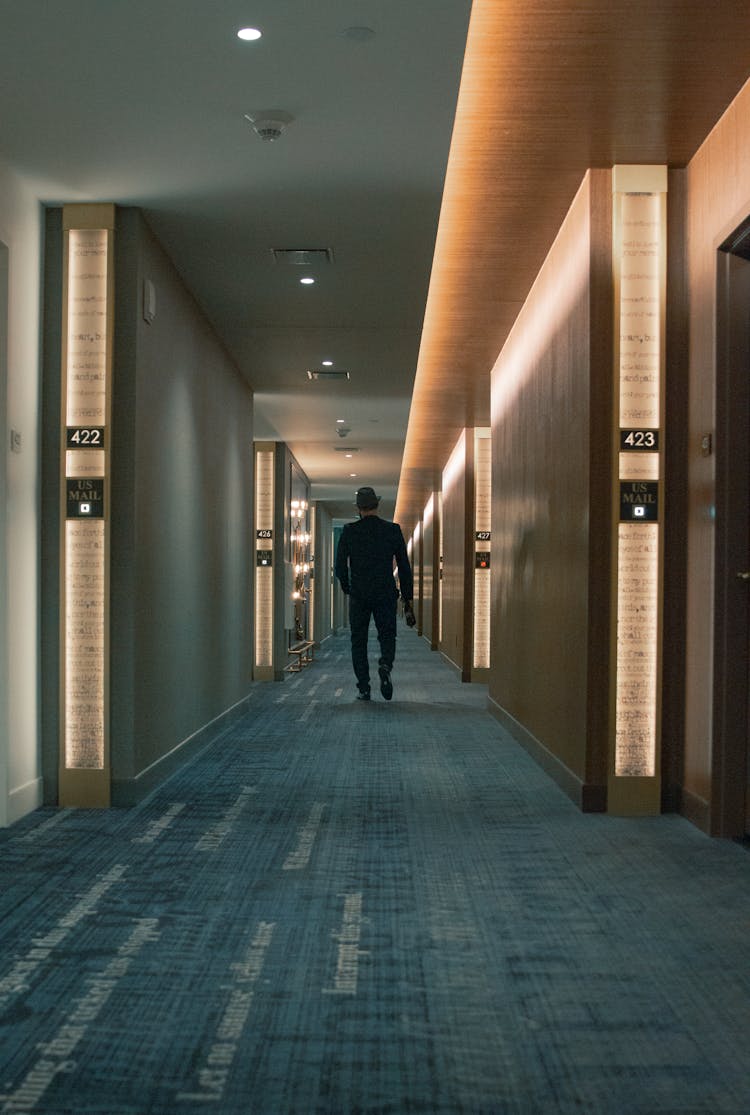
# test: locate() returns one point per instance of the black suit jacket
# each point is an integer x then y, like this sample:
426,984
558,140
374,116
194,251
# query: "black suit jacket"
366,552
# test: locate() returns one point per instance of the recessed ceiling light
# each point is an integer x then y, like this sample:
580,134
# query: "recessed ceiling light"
348,454
249,34
327,363
340,421
307,281
352,474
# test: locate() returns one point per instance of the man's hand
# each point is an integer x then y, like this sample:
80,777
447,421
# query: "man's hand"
411,619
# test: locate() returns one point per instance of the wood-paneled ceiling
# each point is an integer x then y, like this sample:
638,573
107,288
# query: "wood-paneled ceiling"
549,89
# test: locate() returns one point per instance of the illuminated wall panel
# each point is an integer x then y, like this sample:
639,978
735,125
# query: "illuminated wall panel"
482,546
456,587
311,586
440,568
429,572
639,257
264,548
88,290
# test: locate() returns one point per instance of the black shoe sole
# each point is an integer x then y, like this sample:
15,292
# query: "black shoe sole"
386,685
364,696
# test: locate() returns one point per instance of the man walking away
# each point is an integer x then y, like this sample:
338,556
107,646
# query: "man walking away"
366,552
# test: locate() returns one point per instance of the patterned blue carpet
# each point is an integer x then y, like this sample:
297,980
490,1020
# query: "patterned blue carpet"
341,908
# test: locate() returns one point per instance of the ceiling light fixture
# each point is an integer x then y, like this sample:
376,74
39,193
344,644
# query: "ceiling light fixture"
340,421
302,257
307,281
249,34
327,363
269,123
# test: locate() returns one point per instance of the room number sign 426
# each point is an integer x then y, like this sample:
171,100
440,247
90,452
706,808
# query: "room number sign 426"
635,441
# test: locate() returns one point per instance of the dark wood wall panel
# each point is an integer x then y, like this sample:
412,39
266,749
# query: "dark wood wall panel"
540,490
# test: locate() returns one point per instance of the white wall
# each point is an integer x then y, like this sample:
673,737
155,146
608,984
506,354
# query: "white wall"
20,232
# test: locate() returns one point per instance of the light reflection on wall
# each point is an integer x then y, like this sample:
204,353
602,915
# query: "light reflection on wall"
455,465
429,511
541,322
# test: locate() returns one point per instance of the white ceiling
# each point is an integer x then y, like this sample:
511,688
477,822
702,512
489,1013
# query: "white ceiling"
142,102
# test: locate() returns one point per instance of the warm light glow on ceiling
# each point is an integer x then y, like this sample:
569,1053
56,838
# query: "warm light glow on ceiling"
519,152
456,464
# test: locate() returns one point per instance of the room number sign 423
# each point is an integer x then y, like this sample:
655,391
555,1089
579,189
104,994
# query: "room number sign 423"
635,441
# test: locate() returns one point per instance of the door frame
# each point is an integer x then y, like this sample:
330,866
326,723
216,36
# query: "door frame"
4,633
732,538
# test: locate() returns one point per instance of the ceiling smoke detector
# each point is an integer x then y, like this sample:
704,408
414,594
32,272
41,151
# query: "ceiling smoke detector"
269,123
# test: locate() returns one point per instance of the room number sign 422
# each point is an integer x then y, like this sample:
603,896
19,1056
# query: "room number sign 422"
635,441
85,437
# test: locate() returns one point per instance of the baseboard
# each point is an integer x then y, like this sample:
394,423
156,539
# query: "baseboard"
24,799
449,662
127,792
696,810
589,797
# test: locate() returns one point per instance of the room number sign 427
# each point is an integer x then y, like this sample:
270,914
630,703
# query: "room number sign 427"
635,441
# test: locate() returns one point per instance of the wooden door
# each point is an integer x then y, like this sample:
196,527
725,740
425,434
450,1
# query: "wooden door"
731,767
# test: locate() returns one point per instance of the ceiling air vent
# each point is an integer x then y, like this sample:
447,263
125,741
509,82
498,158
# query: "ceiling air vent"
346,449
302,257
326,373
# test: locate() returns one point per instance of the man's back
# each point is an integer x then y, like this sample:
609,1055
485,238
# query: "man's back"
365,557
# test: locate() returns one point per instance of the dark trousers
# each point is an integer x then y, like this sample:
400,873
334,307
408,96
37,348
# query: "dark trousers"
383,610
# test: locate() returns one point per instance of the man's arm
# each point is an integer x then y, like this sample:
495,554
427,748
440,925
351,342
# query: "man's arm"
342,561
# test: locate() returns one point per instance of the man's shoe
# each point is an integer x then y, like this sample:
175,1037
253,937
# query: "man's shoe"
363,695
386,685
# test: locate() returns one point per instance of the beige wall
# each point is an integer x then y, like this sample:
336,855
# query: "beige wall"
718,200
20,246
181,530
551,422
